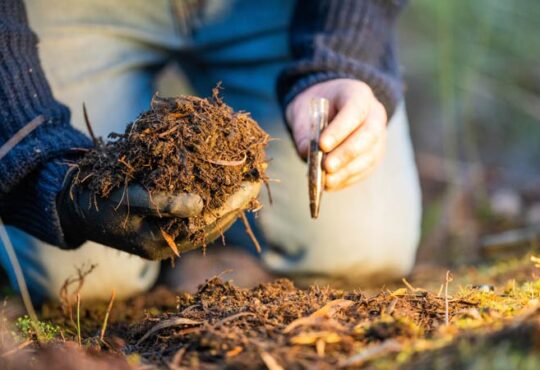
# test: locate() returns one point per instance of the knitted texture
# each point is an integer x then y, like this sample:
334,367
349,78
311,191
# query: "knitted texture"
354,39
24,95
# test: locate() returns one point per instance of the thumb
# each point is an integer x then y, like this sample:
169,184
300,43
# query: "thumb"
237,201
139,200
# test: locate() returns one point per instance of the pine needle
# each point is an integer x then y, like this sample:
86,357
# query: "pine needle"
106,319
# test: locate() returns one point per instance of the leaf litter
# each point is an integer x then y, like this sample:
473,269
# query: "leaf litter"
279,326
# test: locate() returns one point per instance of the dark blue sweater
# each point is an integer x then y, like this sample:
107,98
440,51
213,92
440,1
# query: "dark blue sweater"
329,39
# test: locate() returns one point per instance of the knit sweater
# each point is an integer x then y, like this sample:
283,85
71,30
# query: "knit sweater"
344,39
30,177
329,39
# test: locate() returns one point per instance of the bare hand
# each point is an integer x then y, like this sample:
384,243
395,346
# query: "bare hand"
355,139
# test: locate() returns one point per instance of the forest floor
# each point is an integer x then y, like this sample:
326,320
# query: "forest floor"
478,317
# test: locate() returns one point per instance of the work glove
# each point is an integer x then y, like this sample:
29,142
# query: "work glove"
129,219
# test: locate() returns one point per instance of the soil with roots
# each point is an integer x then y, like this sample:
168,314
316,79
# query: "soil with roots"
183,144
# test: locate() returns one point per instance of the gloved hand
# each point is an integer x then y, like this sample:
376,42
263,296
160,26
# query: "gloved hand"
128,219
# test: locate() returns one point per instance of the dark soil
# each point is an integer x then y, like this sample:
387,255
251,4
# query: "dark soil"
182,144
224,325
278,326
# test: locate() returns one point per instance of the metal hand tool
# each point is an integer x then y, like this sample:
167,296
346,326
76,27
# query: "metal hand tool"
319,120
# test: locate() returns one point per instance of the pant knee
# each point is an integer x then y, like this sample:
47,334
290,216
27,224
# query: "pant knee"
47,268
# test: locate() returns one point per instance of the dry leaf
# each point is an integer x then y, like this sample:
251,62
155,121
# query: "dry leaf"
234,352
400,292
313,337
170,241
327,311
270,361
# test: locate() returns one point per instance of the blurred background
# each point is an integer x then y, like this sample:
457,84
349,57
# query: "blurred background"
473,96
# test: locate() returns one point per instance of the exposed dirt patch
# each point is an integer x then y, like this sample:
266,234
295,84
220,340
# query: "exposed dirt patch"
243,328
277,325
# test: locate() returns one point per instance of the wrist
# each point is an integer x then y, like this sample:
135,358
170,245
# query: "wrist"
32,206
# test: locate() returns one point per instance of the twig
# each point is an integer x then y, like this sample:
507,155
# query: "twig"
408,285
18,348
448,279
269,192
221,162
270,361
23,289
391,306
89,126
66,297
79,318
169,131
106,319
233,317
167,324
440,290
177,359
250,233
19,135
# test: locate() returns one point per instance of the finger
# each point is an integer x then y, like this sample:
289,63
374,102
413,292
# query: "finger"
363,139
353,108
160,204
298,117
351,181
360,142
237,201
359,168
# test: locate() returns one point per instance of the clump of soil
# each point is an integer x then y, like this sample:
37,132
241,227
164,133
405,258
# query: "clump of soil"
182,144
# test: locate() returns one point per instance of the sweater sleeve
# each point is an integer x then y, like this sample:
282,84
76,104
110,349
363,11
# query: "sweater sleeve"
31,171
344,39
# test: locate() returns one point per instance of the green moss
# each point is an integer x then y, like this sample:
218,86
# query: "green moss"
47,330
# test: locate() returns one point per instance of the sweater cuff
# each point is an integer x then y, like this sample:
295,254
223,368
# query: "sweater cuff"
51,139
32,206
344,39
388,98
388,90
